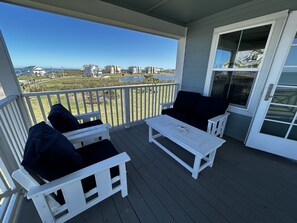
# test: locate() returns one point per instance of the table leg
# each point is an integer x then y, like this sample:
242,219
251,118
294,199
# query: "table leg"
211,158
196,167
150,134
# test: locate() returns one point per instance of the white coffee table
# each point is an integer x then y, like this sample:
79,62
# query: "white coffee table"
201,144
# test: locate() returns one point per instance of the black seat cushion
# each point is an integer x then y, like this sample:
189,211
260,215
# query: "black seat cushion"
49,154
61,119
94,153
186,100
90,123
208,107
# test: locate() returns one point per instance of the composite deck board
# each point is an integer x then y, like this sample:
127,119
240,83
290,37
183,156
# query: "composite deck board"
275,172
171,205
265,192
263,178
244,185
263,209
125,209
199,203
158,209
137,184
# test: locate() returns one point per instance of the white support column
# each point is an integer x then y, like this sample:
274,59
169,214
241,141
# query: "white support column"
9,81
180,57
8,78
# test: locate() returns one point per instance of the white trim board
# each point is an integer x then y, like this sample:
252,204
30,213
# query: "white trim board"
180,58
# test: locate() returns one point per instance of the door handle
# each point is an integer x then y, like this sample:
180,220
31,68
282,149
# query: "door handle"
268,92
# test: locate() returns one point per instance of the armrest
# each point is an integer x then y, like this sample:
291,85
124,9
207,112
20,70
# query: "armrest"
89,133
167,105
218,118
216,125
55,185
87,116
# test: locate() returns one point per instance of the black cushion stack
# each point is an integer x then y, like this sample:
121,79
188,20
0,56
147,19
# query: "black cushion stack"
195,109
63,121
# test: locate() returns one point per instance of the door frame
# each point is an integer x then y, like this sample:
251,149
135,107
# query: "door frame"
258,140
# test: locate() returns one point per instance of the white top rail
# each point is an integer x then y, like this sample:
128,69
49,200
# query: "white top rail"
95,89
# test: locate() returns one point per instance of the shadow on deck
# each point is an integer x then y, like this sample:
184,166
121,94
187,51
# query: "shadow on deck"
244,185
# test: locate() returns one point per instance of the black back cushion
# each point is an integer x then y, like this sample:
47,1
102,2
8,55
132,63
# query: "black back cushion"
61,119
49,154
186,100
208,107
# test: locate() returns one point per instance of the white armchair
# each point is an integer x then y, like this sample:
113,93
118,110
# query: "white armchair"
76,200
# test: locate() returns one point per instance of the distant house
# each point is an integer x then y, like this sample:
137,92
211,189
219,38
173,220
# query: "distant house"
91,70
152,70
33,70
112,69
134,70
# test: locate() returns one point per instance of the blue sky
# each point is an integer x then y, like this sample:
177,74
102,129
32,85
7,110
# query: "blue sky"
49,40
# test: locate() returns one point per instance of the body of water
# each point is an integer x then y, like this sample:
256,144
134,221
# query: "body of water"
142,78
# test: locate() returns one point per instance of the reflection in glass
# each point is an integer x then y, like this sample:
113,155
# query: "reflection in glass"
285,96
288,76
281,113
275,129
227,48
242,49
233,85
251,47
292,57
222,59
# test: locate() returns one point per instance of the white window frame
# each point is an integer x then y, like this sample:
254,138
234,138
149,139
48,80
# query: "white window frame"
276,20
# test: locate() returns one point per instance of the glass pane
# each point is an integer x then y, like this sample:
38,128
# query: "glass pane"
292,57
285,96
275,129
288,76
240,87
226,51
281,113
221,83
251,47
235,86
293,133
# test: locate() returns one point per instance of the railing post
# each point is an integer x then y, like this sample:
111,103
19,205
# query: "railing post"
177,88
127,107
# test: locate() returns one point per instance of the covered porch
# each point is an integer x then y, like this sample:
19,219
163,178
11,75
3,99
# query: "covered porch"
244,185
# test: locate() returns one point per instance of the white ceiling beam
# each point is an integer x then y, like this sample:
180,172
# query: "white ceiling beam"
102,12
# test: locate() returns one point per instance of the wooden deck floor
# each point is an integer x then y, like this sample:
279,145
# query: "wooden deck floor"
244,185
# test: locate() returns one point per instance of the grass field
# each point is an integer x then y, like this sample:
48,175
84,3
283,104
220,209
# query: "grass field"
110,103
38,84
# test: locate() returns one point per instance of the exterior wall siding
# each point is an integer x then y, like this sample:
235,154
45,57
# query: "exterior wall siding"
199,39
